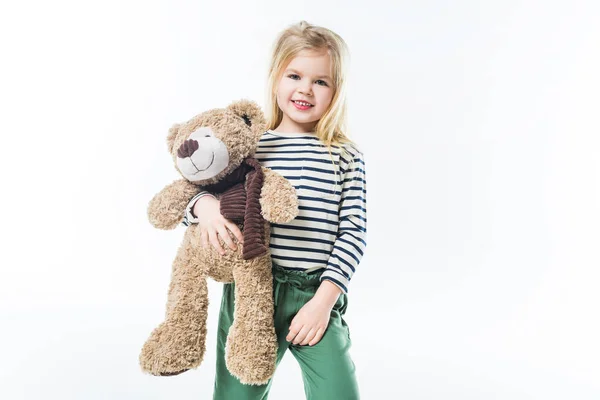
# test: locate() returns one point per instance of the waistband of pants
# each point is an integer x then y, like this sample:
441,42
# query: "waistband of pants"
295,277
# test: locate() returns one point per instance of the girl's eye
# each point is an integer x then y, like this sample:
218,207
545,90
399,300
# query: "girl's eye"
319,80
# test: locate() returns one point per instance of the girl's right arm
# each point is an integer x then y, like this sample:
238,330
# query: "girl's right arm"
205,210
189,217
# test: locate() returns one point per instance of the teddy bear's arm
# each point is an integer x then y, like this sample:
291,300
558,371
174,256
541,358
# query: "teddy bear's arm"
167,207
278,199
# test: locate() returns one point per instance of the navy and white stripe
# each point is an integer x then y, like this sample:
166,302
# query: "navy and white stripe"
330,230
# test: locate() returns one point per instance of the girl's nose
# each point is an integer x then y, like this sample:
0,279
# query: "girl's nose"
305,89
305,92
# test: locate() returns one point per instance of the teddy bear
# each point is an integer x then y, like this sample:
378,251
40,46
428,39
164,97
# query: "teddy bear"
215,151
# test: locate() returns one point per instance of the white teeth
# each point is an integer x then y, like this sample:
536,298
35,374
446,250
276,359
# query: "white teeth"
301,103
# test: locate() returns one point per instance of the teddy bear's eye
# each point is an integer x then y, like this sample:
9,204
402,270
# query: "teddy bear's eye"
247,120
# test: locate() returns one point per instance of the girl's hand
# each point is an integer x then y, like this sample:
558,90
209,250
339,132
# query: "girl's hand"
213,224
310,323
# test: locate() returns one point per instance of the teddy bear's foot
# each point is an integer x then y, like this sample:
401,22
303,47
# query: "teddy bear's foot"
172,373
173,349
251,356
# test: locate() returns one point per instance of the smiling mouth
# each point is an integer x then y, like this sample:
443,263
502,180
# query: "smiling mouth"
302,106
200,170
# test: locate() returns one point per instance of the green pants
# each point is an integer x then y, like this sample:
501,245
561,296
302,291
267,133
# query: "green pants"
328,371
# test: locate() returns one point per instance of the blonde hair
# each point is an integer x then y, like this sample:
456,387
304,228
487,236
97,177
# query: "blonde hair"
331,128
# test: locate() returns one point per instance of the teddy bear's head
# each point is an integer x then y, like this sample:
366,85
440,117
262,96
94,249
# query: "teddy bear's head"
214,143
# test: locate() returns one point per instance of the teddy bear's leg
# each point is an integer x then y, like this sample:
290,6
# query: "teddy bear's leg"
251,348
178,343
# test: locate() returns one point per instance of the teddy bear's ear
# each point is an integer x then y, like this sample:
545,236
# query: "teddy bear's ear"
173,132
251,113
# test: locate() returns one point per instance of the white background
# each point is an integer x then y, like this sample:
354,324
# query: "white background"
479,124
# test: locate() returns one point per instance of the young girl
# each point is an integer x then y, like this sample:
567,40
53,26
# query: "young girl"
315,255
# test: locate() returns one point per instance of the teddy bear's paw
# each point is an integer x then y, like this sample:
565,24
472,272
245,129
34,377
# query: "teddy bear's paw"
251,357
172,351
282,211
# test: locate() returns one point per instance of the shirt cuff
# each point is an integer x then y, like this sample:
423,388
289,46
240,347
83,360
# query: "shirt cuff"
339,280
189,217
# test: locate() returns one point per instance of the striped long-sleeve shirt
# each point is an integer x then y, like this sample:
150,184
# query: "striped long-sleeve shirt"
330,230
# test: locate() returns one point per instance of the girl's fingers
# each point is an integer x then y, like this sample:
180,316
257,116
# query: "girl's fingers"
301,335
317,337
204,239
293,331
309,337
235,230
226,237
214,239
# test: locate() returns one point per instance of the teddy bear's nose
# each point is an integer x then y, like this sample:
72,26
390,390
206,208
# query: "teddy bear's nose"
187,148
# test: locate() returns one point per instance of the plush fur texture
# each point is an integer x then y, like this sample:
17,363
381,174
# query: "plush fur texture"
178,343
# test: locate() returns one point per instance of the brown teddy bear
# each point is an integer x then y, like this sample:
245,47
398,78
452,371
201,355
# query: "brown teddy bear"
215,151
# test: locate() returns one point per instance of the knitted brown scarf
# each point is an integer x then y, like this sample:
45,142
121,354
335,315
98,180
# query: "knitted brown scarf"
240,202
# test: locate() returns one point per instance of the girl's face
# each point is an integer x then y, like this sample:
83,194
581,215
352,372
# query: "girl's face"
306,78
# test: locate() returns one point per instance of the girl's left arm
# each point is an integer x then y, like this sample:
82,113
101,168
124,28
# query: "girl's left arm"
347,252
351,239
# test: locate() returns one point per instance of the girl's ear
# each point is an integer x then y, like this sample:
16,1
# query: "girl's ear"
252,115
173,132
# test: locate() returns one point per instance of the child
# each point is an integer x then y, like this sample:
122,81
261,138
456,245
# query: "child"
315,255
